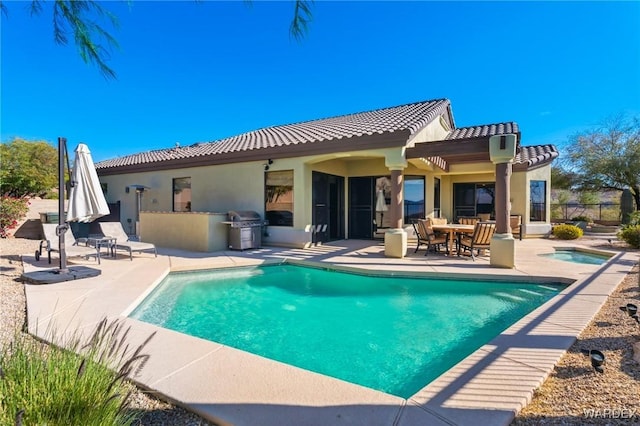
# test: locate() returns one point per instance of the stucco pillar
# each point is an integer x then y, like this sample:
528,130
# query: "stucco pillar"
502,204
395,239
502,152
397,201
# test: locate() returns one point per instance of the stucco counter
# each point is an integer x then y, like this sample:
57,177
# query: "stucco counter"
193,231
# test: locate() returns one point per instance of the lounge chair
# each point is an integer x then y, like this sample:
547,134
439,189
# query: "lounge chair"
479,240
115,230
71,247
427,236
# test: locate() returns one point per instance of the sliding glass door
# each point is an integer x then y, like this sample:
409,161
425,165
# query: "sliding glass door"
472,199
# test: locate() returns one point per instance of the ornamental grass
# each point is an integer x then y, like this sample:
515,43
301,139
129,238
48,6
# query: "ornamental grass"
82,382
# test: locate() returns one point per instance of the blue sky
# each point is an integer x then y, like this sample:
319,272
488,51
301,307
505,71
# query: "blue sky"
200,71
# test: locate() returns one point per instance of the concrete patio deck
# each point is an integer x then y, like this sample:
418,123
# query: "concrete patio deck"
230,386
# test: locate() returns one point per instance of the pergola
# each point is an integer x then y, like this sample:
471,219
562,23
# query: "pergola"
498,146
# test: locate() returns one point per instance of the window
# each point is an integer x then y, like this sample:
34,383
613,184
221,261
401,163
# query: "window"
538,201
182,194
279,198
413,198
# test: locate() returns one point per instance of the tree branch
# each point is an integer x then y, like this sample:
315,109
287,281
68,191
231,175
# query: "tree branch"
301,17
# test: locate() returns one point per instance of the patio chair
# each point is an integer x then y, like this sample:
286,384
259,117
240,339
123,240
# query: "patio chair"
515,222
479,240
433,240
439,221
420,236
115,230
71,247
468,220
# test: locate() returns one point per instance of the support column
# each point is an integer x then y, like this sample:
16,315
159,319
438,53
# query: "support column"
503,195
395,239
502,151
397,198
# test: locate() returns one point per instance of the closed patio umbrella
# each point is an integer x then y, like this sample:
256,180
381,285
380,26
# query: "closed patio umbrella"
381,205
86,203
86,200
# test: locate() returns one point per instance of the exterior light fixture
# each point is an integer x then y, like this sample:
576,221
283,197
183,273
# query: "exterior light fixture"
632,310
597,359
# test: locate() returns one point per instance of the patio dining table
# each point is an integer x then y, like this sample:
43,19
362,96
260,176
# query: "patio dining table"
453,229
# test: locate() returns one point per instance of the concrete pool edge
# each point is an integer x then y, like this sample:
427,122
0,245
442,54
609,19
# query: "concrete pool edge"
303,397
509,368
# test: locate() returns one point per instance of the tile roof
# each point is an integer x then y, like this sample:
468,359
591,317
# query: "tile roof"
484,130
531,156
409,117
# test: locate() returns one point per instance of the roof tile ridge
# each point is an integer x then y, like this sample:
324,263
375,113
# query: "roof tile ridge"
445,100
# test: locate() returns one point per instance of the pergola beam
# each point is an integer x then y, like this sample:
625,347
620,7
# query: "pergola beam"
449,148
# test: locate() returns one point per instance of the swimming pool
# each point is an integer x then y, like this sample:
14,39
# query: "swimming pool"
577,256
393,334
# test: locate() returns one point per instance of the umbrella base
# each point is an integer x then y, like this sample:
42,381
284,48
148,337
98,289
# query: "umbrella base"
51,276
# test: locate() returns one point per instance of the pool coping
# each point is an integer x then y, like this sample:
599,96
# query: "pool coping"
487,387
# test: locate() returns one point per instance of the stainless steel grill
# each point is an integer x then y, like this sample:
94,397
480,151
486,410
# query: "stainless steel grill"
245,229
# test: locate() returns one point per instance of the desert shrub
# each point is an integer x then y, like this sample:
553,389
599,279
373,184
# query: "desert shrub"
630,233
49,385
567,232
634,218
51,195
11,210
581,219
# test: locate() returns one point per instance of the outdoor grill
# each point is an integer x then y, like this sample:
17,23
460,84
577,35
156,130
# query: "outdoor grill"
245,229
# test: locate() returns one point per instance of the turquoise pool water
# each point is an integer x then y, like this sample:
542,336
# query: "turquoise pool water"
391,334
577,256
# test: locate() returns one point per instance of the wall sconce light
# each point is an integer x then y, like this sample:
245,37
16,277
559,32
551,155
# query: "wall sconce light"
597,359
126,189
267,164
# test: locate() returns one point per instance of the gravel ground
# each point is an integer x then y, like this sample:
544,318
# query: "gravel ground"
565,398
574,393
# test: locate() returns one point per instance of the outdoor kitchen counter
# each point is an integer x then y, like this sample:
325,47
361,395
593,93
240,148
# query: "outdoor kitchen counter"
193,231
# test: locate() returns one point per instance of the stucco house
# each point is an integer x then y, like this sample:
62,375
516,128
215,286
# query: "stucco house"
358,174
